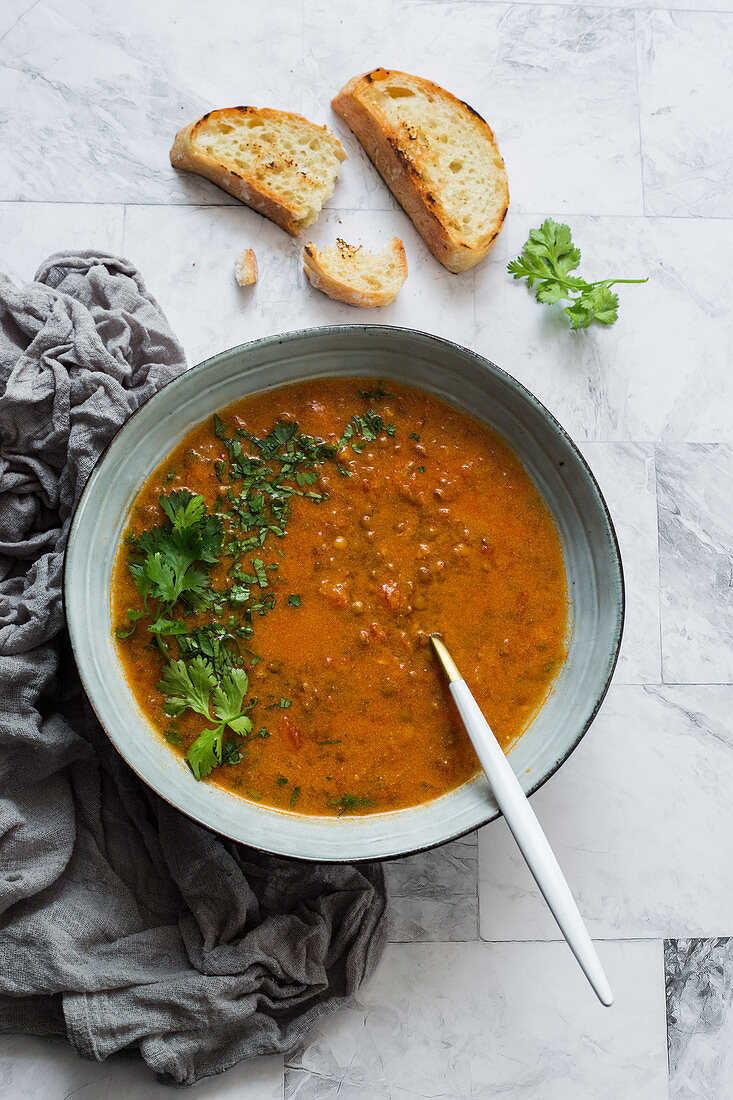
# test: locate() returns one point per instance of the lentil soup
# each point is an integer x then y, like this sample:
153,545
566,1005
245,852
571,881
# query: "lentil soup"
281,570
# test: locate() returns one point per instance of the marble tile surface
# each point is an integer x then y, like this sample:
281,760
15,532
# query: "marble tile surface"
685,95
11,12
189,253
640,818
700,1018
434,895
94,93
30,232
459,1021
661,371
696,562
626,475
547,79
43,1069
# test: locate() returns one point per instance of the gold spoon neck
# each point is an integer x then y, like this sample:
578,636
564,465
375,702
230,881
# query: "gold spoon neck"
449,665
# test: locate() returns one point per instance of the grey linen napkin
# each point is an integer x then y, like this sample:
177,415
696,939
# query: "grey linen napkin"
123,924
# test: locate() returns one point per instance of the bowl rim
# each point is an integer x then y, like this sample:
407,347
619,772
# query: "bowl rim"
481,361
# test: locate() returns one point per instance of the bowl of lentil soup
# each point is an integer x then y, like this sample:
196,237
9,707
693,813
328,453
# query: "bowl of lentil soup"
257,560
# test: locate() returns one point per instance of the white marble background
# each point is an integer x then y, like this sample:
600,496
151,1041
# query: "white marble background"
617,119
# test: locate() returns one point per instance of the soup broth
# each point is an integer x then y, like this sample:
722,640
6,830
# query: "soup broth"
280,574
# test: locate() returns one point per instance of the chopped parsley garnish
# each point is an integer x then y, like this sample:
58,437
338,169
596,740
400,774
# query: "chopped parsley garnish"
294,601
367,427
232,754
375,395
260,572
347,803
294,796
338,742
415,436
217,644
173,735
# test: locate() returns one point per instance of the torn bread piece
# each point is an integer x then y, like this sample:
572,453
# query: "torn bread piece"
280,164
438,157
348,273
245,267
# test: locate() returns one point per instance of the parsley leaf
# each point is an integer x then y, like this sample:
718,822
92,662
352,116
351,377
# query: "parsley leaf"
229,695
134,617
168,627
546,261
192,685
205,753
163,561
294,600
187,686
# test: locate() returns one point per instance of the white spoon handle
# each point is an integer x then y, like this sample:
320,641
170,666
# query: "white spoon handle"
532,842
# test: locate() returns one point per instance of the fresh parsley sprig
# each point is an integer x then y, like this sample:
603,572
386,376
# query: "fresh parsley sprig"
171,563
192,685
546,261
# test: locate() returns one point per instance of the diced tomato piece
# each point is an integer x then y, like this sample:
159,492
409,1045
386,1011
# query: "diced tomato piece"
393,598
292,733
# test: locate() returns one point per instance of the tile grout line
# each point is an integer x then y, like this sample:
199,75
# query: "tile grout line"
367,210
666,1010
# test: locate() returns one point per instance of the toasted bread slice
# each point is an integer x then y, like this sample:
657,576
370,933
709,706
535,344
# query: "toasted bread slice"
350,274
279,163
245,267
438,157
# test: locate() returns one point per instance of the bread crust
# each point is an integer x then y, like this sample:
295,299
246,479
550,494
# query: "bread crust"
391,159
335,288
257,195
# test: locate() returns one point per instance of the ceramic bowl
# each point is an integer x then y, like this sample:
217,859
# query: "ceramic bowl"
453,373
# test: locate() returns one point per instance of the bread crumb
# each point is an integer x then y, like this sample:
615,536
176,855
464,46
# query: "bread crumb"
245,267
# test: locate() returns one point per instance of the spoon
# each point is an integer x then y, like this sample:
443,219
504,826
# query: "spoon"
525,827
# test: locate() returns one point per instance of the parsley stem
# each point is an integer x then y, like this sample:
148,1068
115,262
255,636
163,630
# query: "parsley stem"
613,282
572,283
